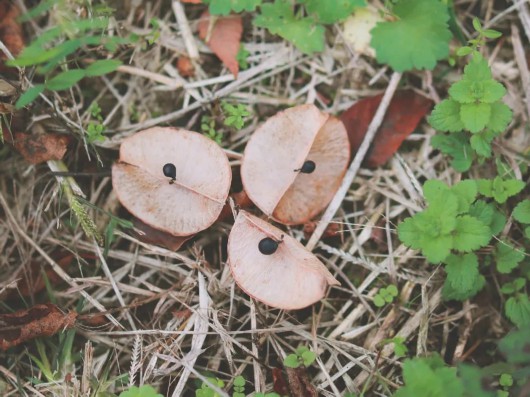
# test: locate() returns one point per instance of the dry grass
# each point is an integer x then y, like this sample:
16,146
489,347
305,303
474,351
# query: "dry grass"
171,316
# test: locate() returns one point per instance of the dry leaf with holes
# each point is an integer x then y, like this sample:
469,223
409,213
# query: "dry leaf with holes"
173,180
224,38
294,163
274,268
38,321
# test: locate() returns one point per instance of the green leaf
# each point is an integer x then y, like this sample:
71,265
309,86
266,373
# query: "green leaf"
379,301
503,189
223,7
446,116
102,67
475,116
477,25
506,380
417,39
455,145
29,96
473,379
491,34
392,290
142,391
516,285
492,91
477,69
481,142
488,214
507,257
332,12
517,309
470,234
466,192
463,51
462,273
450,293
500,117
308,357
278,18
65,80
516,346
433,189
427,377
521,212
291,361
239,381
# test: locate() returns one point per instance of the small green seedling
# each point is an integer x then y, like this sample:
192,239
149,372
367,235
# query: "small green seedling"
142,391
208,128
400,349
206,391
239,386
234,115
95,126
385,295
302,356
242,56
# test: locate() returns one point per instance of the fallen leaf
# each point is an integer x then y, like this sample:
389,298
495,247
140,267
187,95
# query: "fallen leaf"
185,67
332,230
224,39
241,201
403,115
38,321
279,383
40,148
150,235
10,31
299,383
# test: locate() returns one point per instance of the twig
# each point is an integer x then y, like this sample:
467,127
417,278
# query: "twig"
355,164
185,30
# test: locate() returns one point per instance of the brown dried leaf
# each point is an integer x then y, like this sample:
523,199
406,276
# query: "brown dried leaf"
150,235
38,321
10,31
185,67
225,38
299,383
403,115
40,148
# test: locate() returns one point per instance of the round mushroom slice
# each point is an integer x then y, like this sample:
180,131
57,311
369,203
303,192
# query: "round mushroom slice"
171,179
294,163
273,267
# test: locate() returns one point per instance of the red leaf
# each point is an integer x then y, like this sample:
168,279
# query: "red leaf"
403,115
10,31
40,148
279,382
225,38
38,321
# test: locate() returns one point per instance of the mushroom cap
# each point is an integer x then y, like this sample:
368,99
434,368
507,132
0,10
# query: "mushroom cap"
281,146
193,201
291,278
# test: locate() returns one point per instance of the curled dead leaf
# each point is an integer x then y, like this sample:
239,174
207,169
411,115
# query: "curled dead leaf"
37,321
224,39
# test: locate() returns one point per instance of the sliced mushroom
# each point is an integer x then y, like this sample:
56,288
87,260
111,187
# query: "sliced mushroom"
288,278
181,204
294,163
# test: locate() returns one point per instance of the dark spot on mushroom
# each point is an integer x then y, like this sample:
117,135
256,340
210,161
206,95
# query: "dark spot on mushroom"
268,246
170,171
308,167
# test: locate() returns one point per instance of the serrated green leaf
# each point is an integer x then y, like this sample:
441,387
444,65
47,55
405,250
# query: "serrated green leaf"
473,379
500,189
500,117
224,7
492,91
278,18
65,80
466,192
436,250
433,188
470,234
465,91
102,67
445,117
29,96
455,145
475,116
477,69
516,346
417,39
424,377
517,309
480,144
507,257
489,215
331,12
521,212
462,273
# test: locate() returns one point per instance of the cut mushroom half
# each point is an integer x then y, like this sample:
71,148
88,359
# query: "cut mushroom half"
171,179
294,163
274,268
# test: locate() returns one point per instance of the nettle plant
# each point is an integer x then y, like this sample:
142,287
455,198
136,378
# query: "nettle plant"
462,225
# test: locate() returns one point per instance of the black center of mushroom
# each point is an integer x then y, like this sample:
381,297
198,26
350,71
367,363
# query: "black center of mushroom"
170,170
308,167
268,246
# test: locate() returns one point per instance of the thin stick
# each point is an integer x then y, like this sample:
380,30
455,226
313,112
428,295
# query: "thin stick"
355,164
185,30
